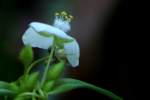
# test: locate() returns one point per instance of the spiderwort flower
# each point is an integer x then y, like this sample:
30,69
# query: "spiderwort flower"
43,36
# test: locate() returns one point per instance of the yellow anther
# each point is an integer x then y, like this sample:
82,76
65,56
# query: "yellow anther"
71,17
64,13
66,17
57,14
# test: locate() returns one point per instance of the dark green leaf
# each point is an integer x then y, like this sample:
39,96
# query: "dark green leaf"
4,85
26,55
6,92
6,88
68,84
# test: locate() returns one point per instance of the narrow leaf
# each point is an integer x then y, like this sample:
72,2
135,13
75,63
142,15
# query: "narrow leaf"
6,92
68,84
6,88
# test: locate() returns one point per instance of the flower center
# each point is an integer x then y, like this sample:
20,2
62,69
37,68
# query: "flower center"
62,21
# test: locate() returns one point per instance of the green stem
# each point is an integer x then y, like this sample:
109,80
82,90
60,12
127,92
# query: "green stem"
34,63
47,66
31,66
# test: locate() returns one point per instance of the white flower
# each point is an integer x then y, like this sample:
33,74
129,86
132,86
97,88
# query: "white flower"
43,36
62,24
72,51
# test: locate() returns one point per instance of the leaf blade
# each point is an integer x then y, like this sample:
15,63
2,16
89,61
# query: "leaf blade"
68,84
6,88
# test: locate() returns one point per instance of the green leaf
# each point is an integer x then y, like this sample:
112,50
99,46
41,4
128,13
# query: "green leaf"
26,55
6,88
55,71
4,85
68,84
6,92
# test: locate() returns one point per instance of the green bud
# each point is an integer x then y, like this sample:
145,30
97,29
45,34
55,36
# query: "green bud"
29,82
26,55
32,79
48,86
55,71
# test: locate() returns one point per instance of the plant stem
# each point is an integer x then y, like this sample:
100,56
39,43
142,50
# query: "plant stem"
47,66
31,66
34,63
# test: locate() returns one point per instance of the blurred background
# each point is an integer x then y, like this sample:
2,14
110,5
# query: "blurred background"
100,27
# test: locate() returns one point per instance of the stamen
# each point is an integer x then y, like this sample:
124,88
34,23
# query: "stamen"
56,14
64,13
64,16
71,17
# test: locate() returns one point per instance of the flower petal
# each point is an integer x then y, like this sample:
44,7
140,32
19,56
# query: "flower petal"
72,52
62,24
31,37
41,27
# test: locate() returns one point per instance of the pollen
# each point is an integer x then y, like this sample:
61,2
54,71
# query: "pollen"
71,17
64,16
56,14
64,13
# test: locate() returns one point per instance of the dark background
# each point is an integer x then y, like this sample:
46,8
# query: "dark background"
101,28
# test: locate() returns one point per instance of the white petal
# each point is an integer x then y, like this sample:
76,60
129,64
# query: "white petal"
72,52
61,24
35,40
41,27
